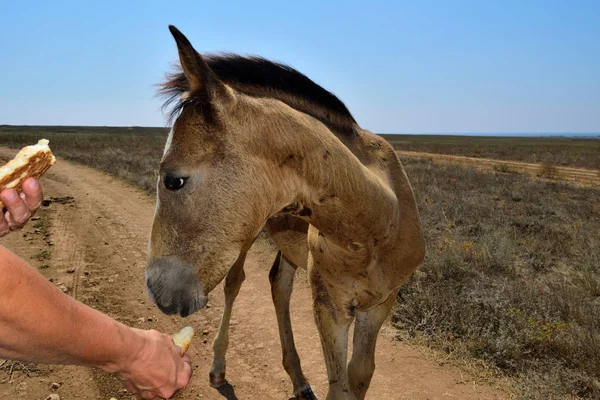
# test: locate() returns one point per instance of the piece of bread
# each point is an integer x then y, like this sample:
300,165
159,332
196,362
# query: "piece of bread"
31,161
183,339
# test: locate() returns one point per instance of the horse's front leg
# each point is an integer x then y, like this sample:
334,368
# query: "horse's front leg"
333,323
282,282
366,328
233,282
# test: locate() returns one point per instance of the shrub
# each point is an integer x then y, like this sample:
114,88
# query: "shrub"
510,277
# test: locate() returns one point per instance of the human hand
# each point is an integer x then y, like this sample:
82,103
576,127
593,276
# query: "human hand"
155,369
19,208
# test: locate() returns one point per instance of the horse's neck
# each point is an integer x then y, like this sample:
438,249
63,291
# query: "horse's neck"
343,190
372,219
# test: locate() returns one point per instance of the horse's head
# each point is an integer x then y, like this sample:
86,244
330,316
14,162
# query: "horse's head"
214,191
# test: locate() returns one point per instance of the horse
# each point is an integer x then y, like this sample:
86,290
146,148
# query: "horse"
256,145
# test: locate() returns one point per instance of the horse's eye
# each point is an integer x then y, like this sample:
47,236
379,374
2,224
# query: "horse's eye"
173,182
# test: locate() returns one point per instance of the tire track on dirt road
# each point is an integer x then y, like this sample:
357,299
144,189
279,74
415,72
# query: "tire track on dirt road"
580,176
105,233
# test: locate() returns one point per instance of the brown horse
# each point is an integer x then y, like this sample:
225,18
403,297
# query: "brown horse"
254,145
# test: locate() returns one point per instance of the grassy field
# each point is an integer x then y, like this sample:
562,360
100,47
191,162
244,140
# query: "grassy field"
512,272
128,153
511,277
583,153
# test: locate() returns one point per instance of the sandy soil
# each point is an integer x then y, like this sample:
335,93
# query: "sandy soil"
576,175
99,226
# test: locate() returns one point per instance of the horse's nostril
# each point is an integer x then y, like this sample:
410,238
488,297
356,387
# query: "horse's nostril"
173,286
169,309
184,312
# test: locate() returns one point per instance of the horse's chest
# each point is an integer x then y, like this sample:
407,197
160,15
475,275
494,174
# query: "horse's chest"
358,285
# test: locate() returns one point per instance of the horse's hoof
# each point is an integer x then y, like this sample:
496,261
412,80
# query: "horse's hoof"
306,394
217,380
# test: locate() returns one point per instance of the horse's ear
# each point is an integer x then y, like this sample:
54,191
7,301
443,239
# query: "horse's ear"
201,78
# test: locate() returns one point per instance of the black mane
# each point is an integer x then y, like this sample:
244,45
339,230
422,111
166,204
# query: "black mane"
258,76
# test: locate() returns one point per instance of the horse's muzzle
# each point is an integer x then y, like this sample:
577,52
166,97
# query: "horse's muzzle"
174,287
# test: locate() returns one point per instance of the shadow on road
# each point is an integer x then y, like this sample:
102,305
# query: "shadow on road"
227,391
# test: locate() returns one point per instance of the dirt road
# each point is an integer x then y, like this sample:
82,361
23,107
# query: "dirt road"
91,241
576,175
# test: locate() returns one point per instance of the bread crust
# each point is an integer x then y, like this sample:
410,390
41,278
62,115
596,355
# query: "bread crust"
183,339
32,161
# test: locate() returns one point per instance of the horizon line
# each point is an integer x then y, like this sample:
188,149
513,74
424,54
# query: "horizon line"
379,133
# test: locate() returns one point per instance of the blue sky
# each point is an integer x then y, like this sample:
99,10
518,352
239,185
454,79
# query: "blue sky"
422,66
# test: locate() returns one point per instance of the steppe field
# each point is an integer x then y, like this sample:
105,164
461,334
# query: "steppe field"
505,305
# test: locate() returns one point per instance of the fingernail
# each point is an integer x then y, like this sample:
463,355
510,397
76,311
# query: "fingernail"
34,184
11,195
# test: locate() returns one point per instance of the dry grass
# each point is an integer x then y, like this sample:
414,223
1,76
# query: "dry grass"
511,279
128,153
571,152
8,369
548,171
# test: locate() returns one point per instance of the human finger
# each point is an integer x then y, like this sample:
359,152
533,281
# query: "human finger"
187,359
17,211
4,227
148,395
33,194
130,387
183,378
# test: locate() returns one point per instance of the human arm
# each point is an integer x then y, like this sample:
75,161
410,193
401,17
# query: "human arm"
40,324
